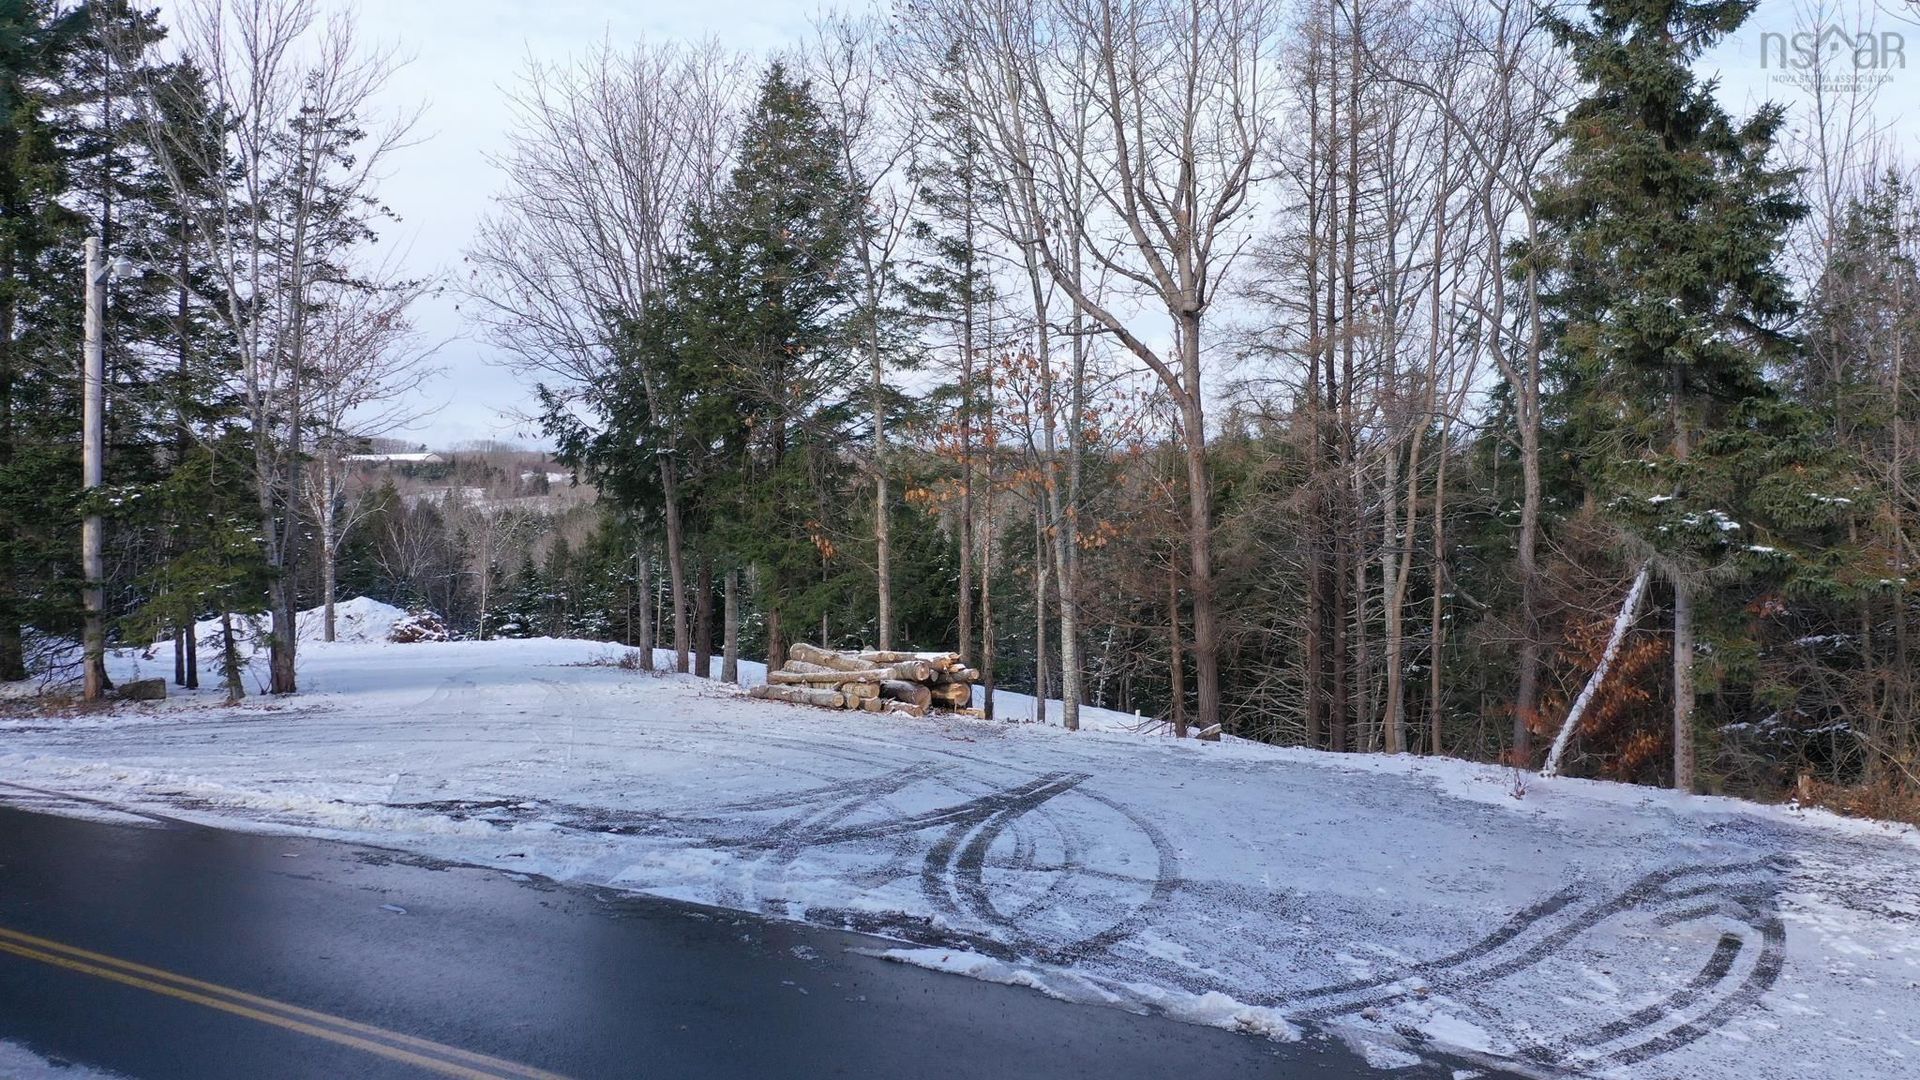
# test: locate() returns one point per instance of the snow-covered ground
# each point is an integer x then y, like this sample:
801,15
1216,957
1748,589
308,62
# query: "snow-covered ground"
1406,903
19,1063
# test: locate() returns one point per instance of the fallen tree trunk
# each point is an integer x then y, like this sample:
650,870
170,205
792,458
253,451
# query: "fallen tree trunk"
828,678
913,671
909,672
900,690
1621,624
882,680
814,654
801,695
890,656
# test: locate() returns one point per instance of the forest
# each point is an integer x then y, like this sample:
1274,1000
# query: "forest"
1460,377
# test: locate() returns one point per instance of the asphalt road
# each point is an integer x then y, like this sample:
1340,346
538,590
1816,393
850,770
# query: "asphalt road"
172,950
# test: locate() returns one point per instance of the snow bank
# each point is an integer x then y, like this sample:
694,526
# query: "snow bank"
355,621
19,1063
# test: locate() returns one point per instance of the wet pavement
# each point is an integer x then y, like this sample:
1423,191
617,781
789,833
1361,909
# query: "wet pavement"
166,949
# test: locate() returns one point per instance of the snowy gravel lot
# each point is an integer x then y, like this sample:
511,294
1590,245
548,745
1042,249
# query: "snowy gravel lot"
1404,903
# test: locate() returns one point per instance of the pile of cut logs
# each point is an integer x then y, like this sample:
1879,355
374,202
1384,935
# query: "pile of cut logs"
895,682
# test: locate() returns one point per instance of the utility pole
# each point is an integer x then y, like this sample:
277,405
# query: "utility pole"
92,450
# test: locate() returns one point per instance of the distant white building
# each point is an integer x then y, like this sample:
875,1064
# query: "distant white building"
398,459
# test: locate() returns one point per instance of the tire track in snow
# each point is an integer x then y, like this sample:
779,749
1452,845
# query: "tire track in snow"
1026,844
1536,934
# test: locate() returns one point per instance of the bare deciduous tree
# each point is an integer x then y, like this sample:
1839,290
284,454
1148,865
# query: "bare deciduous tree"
877,141
1499,82
1161,105
302,140
608,155
367,363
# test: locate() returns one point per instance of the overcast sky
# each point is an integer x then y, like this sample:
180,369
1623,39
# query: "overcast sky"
466,56
467,53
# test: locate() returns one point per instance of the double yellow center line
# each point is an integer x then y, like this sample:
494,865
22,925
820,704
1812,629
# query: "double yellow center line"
392,1045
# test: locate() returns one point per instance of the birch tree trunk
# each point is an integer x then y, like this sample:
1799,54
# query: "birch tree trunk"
1059,506
1621,624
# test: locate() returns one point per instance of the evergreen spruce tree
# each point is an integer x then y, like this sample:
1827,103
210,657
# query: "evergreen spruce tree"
1665,222
764,296
39,307
124,198
638,418
556,598
518,617
215,565
165,361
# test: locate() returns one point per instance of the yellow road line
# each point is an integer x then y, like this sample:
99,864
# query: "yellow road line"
451,1060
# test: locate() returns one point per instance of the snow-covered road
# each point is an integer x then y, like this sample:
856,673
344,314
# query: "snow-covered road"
1404,902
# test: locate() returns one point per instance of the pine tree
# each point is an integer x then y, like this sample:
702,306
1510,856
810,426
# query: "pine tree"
764,296
517,616
164,360
123,196
637,421
556,599
39,306
215,565
1664,225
